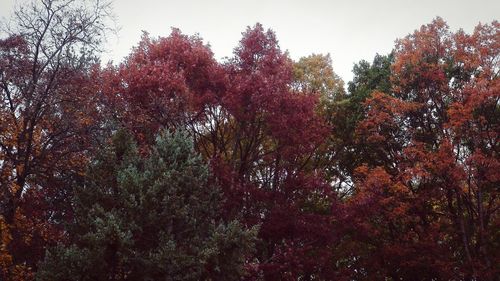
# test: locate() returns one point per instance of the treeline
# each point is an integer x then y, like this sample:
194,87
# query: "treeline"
174,166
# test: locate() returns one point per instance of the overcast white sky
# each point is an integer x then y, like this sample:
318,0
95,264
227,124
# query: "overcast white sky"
348,30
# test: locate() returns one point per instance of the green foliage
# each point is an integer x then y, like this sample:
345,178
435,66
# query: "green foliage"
149,218
347,114
371,77
367,79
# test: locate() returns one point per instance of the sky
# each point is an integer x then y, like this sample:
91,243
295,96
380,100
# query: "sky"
350,30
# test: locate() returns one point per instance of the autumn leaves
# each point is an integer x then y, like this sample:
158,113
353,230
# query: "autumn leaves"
397,178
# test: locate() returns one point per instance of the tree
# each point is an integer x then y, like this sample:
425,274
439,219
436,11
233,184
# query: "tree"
369,77
348,149
149,218
165,82
263,145
314,74
47,107
436,141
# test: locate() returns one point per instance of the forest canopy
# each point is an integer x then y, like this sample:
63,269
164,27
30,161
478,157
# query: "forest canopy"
172,165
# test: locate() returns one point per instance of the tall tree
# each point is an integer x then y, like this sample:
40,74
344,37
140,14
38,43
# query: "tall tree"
347,150
314,75
46,108
437,141
149,218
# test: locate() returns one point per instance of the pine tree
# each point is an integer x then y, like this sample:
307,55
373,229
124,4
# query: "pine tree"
152,217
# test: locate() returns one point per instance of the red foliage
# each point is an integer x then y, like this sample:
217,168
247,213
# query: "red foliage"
164,82
424,203
439,132
49,119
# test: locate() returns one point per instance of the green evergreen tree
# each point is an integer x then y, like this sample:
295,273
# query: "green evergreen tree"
149,218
